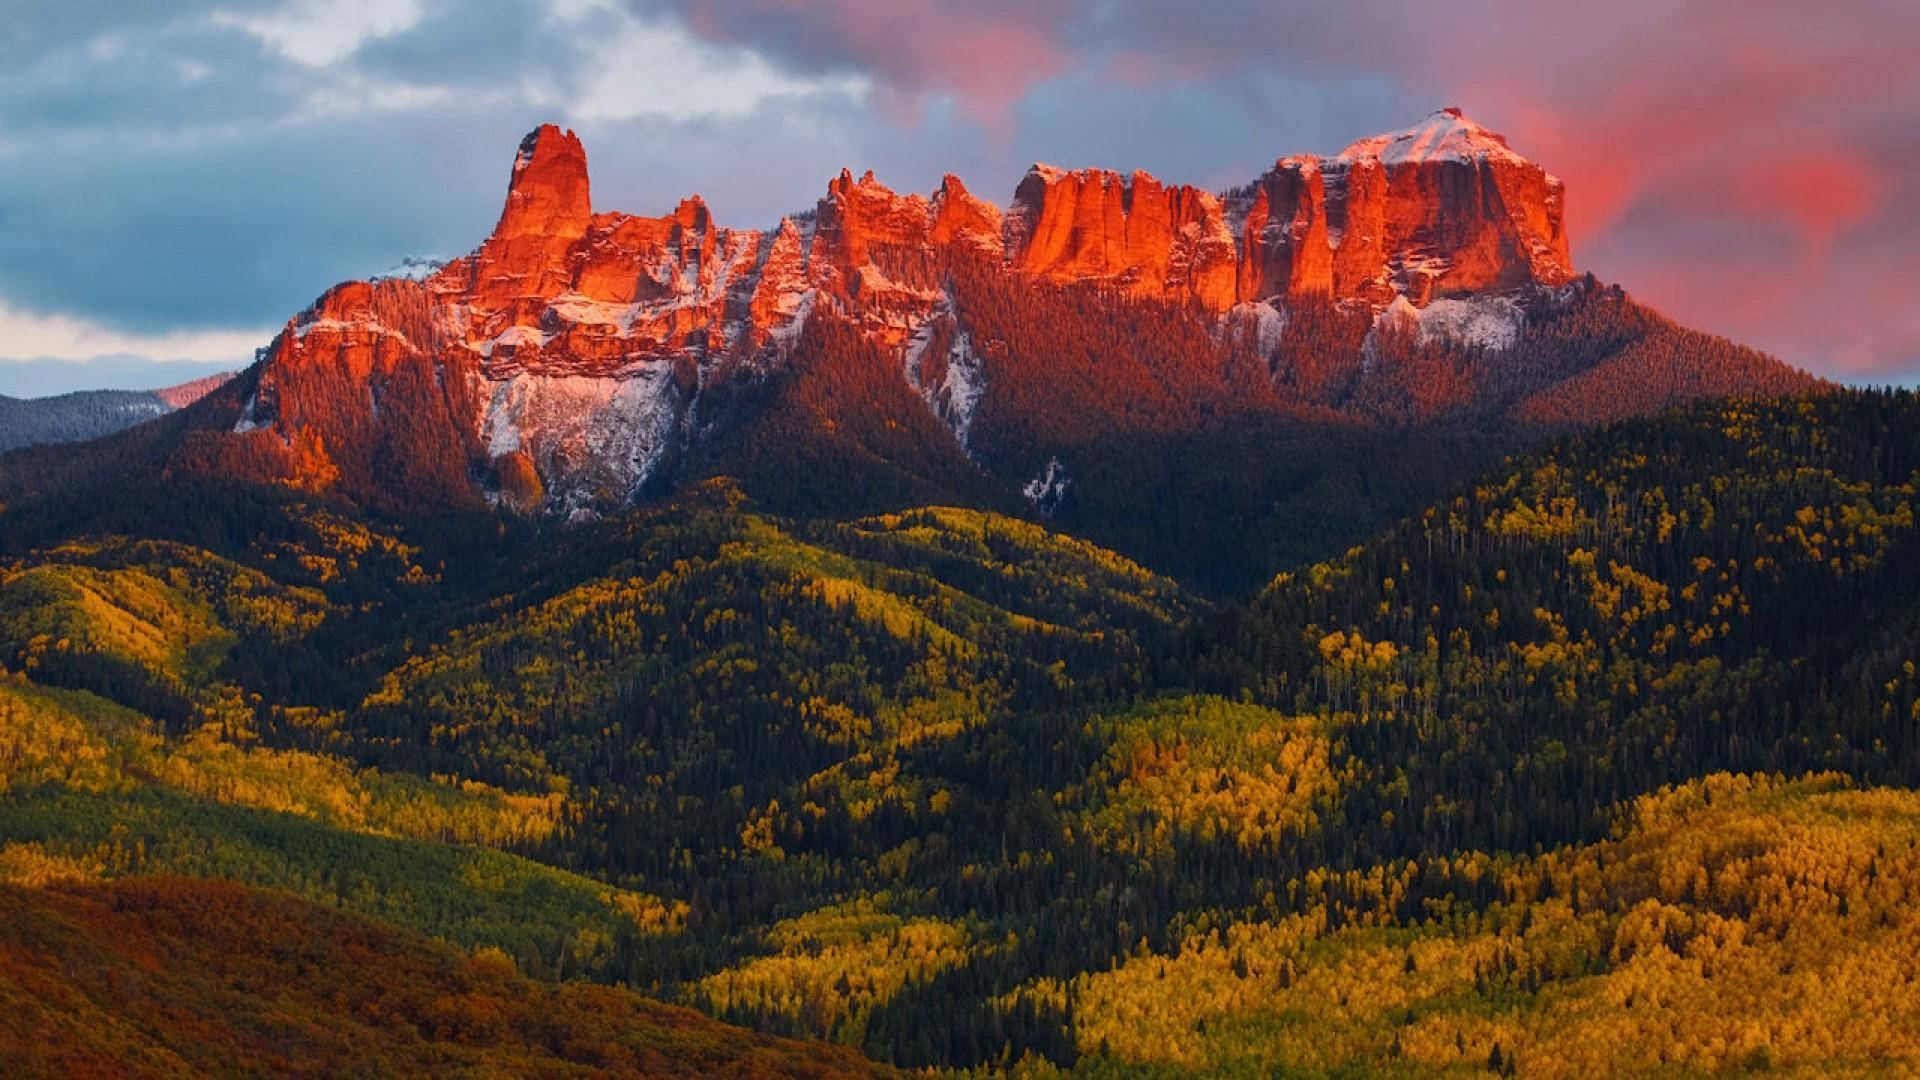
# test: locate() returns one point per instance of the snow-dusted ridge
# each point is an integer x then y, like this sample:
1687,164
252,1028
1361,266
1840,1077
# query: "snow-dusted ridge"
411,268
1445,135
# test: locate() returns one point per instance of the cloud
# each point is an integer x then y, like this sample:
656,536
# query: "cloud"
355,94
25,379
986,54
657,68
26,336
1822,192
318,33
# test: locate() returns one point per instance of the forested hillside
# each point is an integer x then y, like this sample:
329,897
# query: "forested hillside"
1603,762
89,414
1266,437
1728,587
182,977
86,414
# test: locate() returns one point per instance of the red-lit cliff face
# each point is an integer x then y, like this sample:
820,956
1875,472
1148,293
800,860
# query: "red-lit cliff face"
879,257
560,362
1443,208
1153,240
548,209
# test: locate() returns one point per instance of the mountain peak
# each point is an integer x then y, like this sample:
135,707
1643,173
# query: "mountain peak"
547,193
845,183
692,213
1445,135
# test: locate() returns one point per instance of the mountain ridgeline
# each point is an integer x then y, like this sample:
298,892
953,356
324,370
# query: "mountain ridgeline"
1238,354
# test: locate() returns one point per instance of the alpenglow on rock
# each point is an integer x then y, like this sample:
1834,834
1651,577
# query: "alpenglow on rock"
560,366
1441,208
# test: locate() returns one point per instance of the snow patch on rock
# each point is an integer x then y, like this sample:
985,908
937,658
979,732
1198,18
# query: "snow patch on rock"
249,417
411,268
1483,322
590,437
1445,135
1264,322
515,337
956,395
1048,488
578,310
788,333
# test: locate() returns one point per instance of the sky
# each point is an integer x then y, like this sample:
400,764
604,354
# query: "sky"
178,179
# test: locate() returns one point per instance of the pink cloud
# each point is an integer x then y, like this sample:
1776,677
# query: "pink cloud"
1730,162
1748,166
985,56
1823,192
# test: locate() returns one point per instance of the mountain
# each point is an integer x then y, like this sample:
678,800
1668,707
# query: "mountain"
577,361
89,414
